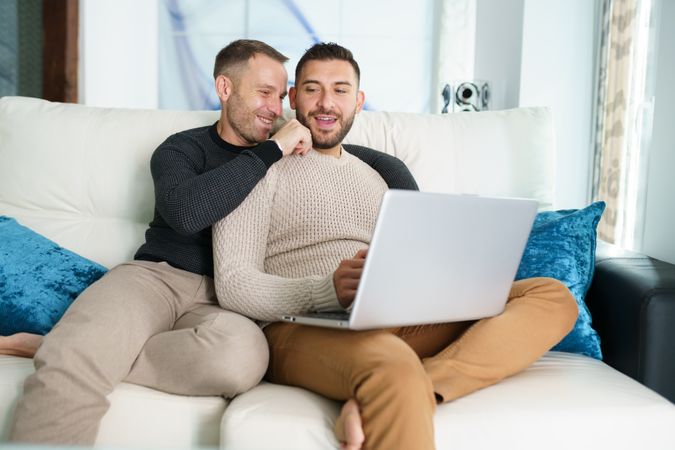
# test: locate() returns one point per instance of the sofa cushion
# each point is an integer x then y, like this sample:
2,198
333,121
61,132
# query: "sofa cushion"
507,153
95,194
38,279
562,246
562,401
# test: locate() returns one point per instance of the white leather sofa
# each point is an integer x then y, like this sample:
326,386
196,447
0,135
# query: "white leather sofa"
48,155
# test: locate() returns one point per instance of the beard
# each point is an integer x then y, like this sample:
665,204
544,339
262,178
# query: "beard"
324,139
243,120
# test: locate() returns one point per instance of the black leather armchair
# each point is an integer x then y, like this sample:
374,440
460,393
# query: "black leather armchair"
632,302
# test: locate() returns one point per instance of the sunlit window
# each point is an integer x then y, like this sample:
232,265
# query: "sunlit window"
396,54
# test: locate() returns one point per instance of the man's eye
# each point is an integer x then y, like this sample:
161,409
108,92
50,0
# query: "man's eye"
311,89
341,91
265,92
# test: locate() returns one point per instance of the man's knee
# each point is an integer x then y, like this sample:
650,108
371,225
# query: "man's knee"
236,353
385,358
559,300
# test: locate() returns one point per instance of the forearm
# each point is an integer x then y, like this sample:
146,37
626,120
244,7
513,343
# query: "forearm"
266,297
190,201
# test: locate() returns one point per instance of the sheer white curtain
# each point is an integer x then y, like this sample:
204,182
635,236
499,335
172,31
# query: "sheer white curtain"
623,119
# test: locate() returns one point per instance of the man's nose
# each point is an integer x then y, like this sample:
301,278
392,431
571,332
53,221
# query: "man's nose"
325,100
275,106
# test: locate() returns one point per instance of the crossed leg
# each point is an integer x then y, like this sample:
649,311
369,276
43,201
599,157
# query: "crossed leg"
377,372
376,368
224,353
98,341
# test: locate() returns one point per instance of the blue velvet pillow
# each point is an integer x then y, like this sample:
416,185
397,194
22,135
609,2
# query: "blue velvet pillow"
38,279
562,246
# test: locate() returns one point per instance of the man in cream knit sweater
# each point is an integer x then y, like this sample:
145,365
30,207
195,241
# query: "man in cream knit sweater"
301,240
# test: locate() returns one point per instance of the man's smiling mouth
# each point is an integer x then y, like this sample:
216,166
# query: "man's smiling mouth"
266,120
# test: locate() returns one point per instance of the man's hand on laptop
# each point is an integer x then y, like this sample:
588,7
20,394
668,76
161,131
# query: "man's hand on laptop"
347,276
293,138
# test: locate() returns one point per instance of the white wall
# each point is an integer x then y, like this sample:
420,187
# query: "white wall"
659,232
558,71
499,38
118,53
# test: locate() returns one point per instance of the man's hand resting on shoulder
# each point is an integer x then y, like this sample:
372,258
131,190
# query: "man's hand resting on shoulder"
293,138
347,276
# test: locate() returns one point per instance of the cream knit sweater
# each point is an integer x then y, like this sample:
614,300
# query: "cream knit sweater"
276,253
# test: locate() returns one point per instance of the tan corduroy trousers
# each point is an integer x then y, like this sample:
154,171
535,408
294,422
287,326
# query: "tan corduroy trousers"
398,375
144,322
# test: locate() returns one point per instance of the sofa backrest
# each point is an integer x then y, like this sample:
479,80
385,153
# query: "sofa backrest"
80,175
493,153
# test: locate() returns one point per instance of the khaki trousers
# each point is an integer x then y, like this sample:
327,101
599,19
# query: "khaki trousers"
144,322
398,375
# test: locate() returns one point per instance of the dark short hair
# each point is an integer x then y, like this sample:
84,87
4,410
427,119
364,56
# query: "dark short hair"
325,51
238,52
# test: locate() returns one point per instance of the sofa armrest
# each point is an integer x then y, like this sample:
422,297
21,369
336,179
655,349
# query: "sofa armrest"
632,302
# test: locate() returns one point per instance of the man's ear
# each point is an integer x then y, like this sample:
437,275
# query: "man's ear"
223,87
360,101
292,92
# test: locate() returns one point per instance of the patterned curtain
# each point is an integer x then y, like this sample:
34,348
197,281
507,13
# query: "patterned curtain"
619,157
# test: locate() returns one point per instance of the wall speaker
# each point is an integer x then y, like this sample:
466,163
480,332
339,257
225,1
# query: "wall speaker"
465,96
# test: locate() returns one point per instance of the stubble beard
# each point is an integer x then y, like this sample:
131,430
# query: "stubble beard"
241,119
322,141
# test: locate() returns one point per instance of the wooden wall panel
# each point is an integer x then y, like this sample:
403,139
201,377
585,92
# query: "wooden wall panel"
60,19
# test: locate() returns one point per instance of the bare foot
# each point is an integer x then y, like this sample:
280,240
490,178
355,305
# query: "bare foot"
20,344
350,417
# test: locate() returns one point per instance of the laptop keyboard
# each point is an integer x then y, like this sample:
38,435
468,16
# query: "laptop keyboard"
336,315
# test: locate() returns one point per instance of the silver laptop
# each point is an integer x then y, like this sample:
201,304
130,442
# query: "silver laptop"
436,258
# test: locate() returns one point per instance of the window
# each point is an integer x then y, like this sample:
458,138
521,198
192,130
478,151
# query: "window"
396,54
